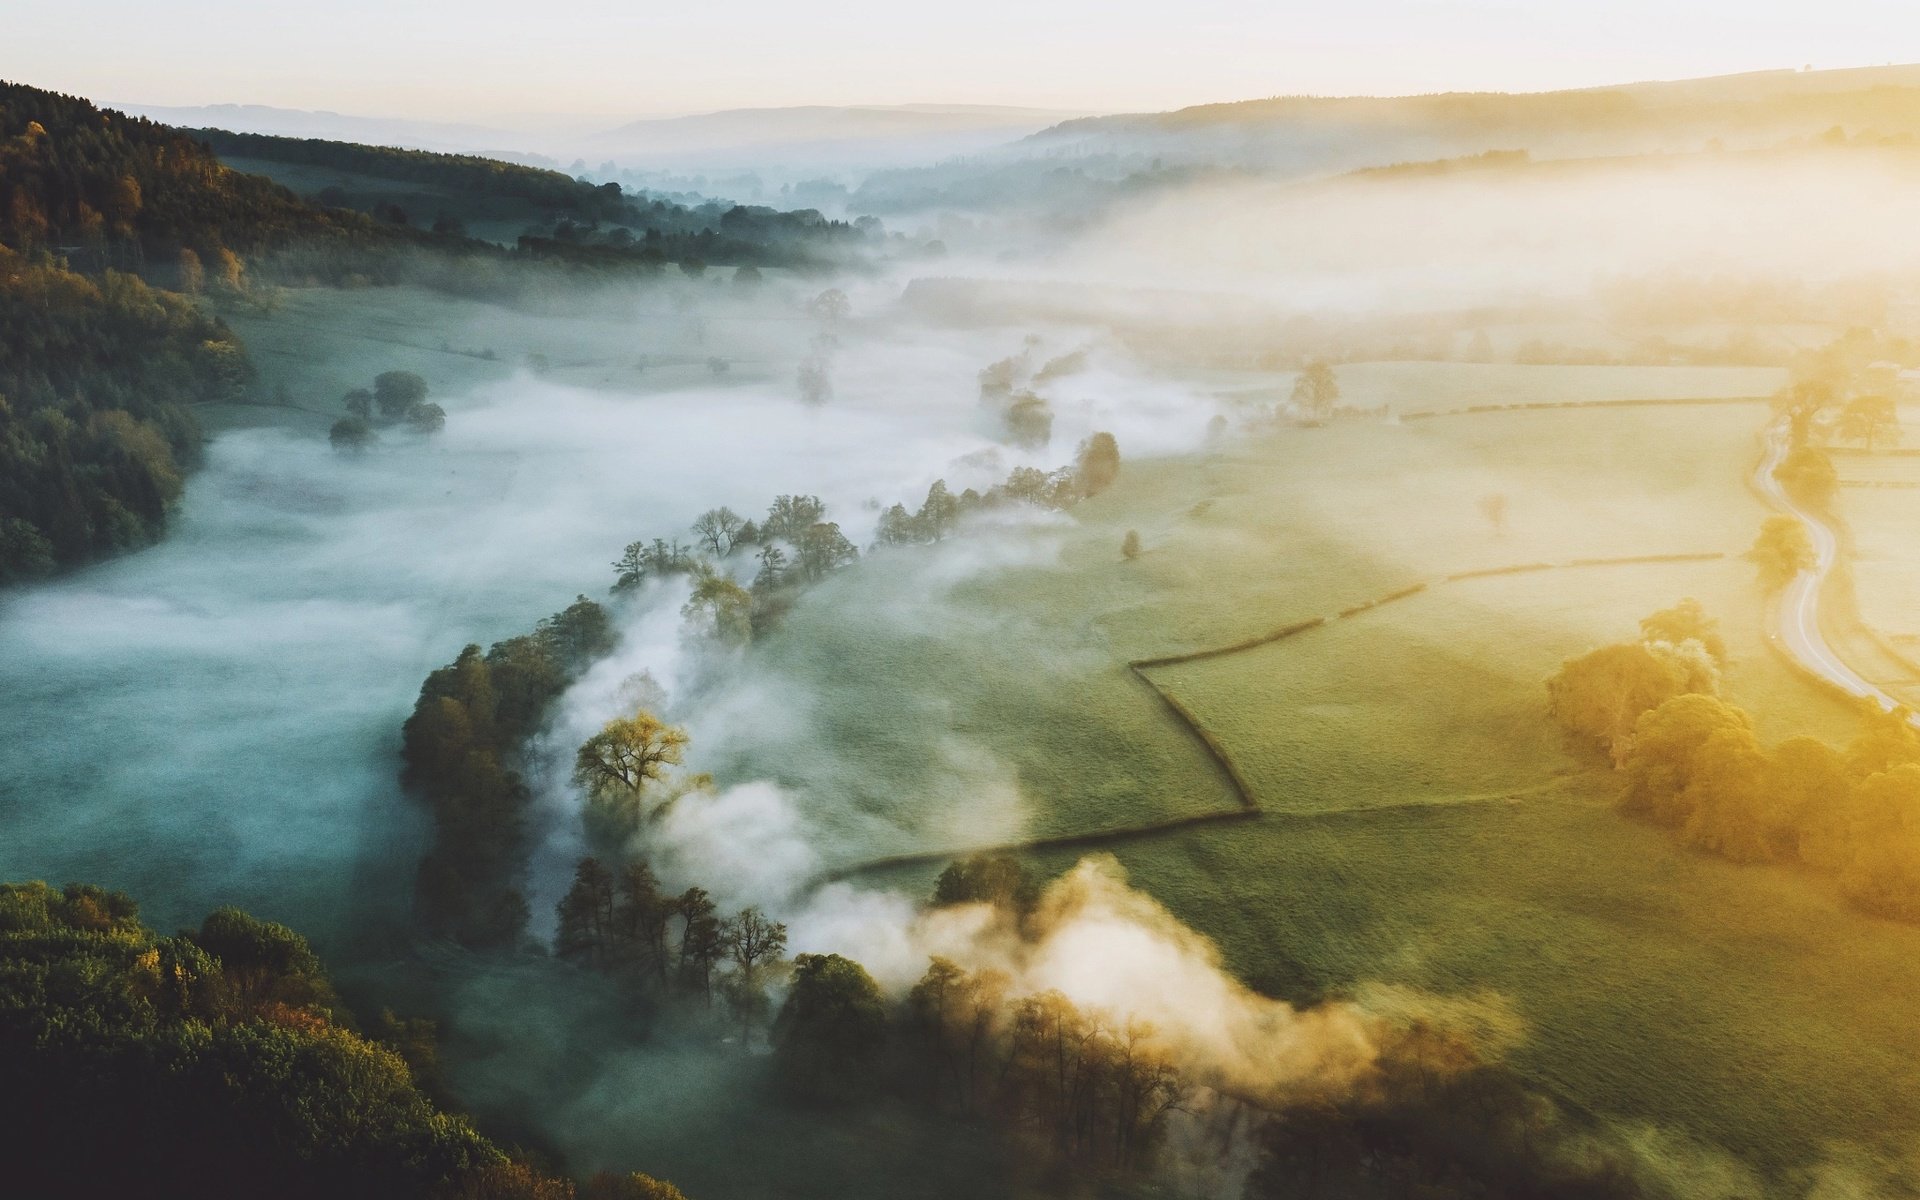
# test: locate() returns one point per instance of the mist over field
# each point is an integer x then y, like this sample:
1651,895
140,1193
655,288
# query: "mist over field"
1315,674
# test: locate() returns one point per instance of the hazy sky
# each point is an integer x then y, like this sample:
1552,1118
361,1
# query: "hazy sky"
483,58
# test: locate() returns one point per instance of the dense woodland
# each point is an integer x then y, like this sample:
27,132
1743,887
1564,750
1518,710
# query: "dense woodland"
460,749
97,376
219,1062
569,220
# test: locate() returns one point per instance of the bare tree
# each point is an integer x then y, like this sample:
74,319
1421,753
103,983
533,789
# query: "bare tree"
719,530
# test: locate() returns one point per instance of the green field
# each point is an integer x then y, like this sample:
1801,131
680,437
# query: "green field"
1424,824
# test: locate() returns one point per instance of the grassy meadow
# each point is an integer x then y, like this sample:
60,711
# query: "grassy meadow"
1424,822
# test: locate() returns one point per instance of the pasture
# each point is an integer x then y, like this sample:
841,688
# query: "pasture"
1423,822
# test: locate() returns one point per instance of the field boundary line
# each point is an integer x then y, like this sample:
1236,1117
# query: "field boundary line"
1428,414
1249,807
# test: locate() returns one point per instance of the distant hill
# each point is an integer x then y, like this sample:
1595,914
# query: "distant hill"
1313,133
447,136
802,138
822,137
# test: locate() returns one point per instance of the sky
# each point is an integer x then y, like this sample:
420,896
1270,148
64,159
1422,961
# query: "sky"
485,59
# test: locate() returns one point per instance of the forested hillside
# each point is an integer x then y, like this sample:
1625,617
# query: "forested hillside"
99,212
217,1062
99,365
105,189
96,376
555,216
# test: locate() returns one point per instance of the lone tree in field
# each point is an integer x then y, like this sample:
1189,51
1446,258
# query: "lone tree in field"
1098,464
350,435
1869,419
397,391
1316,392
1494,508
1782,551
1808,474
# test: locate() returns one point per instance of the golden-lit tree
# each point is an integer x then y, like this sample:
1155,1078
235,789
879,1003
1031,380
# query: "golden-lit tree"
1781,551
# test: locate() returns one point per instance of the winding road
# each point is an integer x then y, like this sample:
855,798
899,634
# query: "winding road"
1799,632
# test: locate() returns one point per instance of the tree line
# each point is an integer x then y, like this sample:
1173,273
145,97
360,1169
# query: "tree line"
796,546
1692,763
459,749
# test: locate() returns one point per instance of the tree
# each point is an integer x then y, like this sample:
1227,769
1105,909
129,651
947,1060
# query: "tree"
351,435
587,917
1781,551
229,271
1130,545
1602,694
641,915
831,306
751,939
937,513
1686,621
1316,391
822,550
1663,754
1098,464
815,380
897,528
721,608
831,1033
427,417
996,879
359,402
397,391
773,569
701,943
615,765
193,276
719,530
608,1186
1869,419
956,1018
1808,474
1029,421
788,517
263,963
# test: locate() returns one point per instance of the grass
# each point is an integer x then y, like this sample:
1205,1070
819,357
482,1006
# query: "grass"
1424,824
